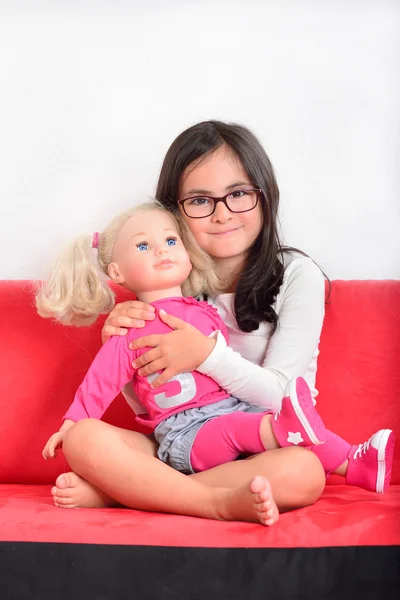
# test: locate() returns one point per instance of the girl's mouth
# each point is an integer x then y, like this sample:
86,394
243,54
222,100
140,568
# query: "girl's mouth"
227,232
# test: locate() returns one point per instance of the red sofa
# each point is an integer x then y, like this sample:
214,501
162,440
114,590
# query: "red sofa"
346,545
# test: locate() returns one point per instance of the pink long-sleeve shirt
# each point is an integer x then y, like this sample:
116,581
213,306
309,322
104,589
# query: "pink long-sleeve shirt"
112,369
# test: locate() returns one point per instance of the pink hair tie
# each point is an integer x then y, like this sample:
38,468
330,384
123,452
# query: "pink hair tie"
95,240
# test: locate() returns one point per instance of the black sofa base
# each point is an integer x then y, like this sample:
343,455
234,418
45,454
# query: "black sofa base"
50,571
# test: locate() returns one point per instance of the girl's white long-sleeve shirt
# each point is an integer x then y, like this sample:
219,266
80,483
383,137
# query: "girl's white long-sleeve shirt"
256,367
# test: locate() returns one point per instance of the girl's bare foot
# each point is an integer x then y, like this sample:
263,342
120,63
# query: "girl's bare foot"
263,500
254,502
71,491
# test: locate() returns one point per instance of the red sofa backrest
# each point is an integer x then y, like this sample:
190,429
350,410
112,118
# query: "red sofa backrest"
43,363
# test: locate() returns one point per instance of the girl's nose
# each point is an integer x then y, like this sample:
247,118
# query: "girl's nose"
222,214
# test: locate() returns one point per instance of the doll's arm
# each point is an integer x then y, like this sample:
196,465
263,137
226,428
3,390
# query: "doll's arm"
56,440
109,372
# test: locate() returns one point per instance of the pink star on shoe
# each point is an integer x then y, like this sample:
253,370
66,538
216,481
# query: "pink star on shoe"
298,423
294,438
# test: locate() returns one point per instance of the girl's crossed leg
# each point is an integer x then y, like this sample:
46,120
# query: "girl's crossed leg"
115,466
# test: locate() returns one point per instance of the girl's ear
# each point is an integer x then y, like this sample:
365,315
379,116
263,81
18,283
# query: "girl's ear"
113,273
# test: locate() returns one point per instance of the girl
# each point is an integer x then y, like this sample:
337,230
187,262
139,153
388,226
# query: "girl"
273,305
195,422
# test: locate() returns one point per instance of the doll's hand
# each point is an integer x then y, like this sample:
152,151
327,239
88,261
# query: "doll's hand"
56,440
54,443
180,351
132,313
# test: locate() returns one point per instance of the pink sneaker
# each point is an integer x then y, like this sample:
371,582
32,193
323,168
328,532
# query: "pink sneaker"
370,464
298,423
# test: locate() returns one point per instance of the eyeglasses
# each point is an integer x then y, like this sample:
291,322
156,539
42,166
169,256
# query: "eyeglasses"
238,201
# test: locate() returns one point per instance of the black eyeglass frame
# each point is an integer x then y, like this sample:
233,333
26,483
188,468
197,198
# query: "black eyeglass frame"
221,199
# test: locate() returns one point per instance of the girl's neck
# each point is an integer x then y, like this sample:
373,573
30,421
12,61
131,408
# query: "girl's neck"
149,297
229,271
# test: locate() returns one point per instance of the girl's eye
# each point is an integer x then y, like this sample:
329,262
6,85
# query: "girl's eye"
238,194
172,241
142,246
200,201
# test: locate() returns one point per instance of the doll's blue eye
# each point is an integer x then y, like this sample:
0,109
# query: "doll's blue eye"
171,242
142,247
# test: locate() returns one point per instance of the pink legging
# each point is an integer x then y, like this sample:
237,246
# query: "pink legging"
222,439
225,438
333,453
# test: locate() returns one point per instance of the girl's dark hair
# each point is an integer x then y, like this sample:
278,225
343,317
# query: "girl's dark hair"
262,275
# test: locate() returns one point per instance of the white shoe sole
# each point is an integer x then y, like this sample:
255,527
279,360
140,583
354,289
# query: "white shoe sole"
300,414
381,449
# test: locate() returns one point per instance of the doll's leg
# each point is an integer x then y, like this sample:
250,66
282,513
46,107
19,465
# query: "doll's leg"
99,454
223,439
226,437
298,422
367,465
333,454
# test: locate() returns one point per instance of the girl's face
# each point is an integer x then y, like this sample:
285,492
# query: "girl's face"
149,256
224,235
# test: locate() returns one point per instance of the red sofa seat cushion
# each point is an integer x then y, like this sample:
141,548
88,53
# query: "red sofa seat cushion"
344,516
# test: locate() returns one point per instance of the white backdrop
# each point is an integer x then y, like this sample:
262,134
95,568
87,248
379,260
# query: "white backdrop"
92,94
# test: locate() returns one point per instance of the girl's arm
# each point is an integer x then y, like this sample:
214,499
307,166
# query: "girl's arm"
290,350
300,307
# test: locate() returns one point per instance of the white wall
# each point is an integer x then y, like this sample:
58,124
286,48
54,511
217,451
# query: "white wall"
92,94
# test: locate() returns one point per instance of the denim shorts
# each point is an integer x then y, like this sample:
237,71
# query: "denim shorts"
176,434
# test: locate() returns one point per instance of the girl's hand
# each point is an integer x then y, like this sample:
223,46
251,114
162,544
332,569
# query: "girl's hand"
180,351
54,443
132,313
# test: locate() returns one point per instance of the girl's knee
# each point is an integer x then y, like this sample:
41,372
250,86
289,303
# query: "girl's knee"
81,436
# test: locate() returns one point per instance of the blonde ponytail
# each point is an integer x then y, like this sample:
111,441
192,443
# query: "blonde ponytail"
75,293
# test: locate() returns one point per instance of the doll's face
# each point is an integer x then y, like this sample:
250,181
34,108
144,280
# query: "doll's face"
148,254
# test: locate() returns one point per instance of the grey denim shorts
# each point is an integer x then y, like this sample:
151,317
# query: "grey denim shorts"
176,434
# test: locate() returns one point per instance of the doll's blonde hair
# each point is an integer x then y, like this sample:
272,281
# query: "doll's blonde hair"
76,292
